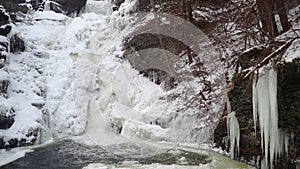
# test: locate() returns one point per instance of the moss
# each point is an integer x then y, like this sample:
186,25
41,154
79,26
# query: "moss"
254,56
289,102
241,102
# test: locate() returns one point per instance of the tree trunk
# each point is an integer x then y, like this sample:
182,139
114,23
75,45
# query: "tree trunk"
189,10
265,9
183,8
283,15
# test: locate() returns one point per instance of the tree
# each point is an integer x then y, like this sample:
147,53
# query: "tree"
265,9
283,15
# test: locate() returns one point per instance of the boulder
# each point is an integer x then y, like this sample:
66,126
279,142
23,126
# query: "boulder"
16,44
14,5
3,87
71,6
6,117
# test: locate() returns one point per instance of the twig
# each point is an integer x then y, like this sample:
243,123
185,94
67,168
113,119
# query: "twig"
270,56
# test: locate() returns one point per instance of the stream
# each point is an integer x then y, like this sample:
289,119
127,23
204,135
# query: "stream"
66,153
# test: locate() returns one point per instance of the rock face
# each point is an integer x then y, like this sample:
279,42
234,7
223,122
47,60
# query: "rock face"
65,6
5,28
16,44
288,94
7,112
6,117
289,103
71,6
13,5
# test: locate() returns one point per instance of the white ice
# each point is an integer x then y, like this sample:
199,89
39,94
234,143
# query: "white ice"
233,130
273,140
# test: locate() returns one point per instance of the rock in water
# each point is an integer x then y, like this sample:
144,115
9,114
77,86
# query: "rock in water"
16,44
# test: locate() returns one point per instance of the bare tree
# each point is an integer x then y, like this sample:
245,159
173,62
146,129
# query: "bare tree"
265,9
283,15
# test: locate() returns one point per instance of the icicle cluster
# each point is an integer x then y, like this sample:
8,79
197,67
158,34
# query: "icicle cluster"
264,97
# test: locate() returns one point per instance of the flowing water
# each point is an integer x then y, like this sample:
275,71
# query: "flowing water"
70,154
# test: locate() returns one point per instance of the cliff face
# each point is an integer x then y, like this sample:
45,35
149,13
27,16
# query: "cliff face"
10,43
288,102
7,112
64,6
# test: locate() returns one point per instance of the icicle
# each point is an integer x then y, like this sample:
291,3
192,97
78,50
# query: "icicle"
228,105
233,130
254,101
292,137
264,112
273,115
286,144
273,141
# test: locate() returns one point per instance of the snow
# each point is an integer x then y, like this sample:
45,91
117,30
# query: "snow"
144,131
24,91
292,52
98,7
127,7
132,165
3,39
12,155
3,75
29,74
49,15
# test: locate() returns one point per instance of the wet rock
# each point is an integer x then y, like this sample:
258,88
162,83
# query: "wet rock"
4,17
13,5
118,2
3,87
16,44
28,140
289,102
6,116
65,6
154,59
5,29
71,6
6,121
241,102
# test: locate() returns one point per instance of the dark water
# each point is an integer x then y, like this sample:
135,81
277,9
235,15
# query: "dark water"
69,154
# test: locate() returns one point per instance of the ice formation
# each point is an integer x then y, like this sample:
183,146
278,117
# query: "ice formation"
273,140
90,90
233,129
